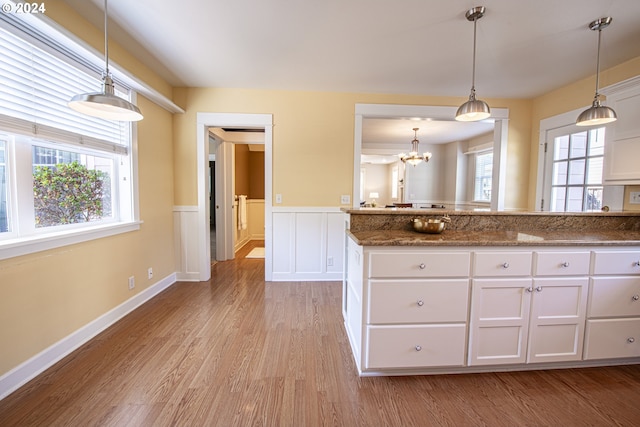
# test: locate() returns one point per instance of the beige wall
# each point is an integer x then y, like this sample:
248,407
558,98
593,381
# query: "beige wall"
47,295
249,179
577,95
313,139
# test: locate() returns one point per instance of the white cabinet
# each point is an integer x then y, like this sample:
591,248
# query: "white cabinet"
622,146
420,310
613,325
414,306
525,318
499,321
558,310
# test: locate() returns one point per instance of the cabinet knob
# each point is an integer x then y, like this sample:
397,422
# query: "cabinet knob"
422,266
538,288
418,347
635,297
420,303
565,264
631,340
505,265
529,289
636,264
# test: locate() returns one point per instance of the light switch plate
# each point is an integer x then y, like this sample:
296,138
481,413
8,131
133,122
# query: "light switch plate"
634,197
345,199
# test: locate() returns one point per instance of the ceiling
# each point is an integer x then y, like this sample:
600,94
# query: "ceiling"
424,47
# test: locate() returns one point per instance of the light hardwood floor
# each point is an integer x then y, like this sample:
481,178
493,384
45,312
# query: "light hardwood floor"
237,351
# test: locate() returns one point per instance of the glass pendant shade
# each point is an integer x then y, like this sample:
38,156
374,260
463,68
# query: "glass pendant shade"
597,114
105,104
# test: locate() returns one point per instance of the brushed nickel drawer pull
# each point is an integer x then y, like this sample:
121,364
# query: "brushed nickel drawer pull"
631,340
538,288
635,297
505,265
418,348
529,289
422,266
420,303
565,264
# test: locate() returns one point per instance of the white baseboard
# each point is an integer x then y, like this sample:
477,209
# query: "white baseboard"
307,277
25,372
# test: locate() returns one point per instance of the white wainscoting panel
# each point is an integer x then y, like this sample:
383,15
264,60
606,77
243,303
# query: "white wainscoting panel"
308,244
186,240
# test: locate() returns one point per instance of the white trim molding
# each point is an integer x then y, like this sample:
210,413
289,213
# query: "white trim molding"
309,244
186,243
25,372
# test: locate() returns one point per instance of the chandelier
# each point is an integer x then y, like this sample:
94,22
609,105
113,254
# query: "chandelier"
413,158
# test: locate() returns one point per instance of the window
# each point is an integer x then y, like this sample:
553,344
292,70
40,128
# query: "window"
64,177
4,219
483,175
576,182
394,182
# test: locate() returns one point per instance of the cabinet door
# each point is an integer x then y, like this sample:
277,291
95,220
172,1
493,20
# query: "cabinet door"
557,323
622,147
499,321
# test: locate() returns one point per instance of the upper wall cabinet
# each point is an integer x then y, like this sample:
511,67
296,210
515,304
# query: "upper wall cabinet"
622,147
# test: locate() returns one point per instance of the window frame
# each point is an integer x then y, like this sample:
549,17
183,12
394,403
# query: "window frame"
475,175
18,241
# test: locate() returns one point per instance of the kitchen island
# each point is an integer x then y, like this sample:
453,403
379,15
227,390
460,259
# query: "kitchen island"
494,291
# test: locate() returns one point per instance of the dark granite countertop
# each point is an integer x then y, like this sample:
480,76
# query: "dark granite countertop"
496,238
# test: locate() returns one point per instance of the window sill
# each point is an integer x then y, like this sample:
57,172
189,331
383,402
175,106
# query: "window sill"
27,245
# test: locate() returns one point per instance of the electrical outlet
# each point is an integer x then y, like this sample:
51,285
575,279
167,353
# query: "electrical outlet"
132,282
278,198
329,261
345,199
634,197
150,273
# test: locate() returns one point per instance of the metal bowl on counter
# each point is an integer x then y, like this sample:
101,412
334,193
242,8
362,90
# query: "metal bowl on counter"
430,225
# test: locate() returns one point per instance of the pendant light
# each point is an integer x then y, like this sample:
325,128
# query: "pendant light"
413,158
106,104
597,114
474,109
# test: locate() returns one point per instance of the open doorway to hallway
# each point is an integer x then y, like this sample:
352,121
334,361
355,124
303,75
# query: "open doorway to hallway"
237,195
204,122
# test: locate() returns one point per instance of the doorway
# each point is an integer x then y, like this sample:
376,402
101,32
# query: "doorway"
238,189
224,192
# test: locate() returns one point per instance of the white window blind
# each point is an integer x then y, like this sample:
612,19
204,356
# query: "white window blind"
483,175
36,87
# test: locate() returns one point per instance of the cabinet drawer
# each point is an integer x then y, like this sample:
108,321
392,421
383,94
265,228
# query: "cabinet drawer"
615,296
418,301
562,263
419,264
497,264
415,346
611,338
617,262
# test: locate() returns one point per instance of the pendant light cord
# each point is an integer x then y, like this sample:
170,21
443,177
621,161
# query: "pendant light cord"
473,72
598,64
106,40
